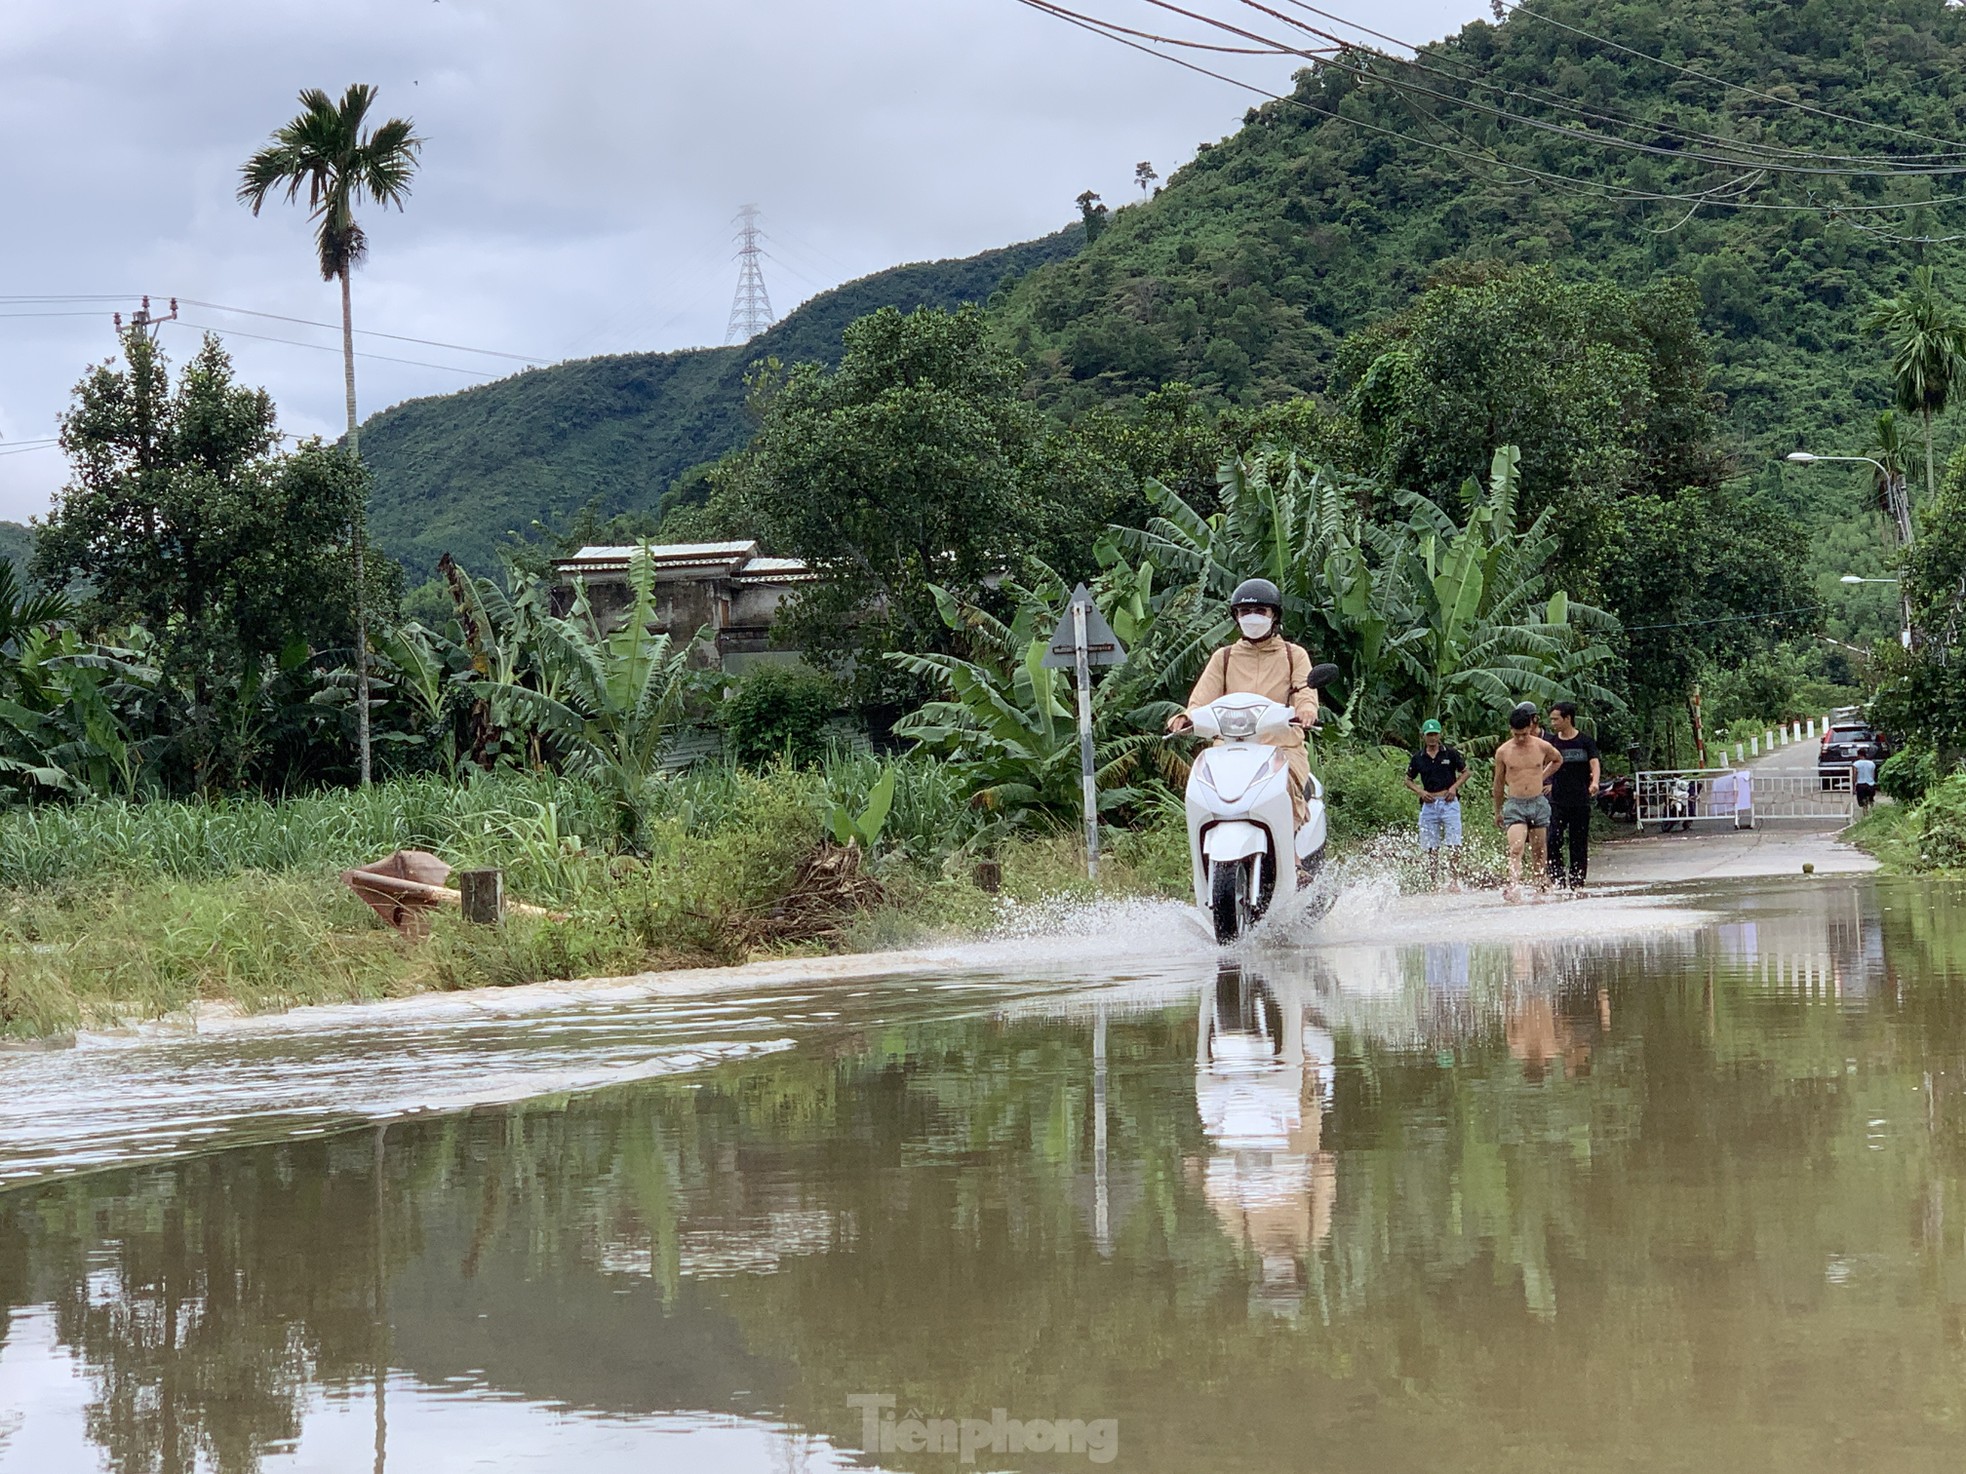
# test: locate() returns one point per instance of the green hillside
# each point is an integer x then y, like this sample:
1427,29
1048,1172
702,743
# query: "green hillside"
454,473
1329,210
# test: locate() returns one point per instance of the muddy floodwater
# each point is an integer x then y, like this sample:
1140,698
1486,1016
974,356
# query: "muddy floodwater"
1652,1183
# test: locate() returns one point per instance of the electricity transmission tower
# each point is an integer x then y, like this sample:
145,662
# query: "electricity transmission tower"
750,309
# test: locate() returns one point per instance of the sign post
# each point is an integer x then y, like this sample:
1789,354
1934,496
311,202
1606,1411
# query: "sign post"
1082,640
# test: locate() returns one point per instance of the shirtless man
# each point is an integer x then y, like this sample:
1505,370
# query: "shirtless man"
1523,764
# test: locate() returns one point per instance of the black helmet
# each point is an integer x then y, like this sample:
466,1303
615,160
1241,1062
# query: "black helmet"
1257,593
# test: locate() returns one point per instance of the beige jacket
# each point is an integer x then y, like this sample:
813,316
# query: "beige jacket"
1271,667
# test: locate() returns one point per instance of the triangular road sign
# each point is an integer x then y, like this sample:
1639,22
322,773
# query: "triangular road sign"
1102,646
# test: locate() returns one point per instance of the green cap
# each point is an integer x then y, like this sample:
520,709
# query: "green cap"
1430,728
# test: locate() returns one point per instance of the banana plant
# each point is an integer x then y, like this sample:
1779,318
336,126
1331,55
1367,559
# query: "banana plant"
864,828
1490,630
1009,723
1424,616
607,698
1305,529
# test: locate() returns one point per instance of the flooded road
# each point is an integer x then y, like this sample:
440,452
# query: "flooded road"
1677,1183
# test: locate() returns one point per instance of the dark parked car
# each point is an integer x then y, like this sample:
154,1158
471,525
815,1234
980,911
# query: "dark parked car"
1847,740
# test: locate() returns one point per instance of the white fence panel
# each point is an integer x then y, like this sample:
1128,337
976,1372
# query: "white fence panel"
1739,798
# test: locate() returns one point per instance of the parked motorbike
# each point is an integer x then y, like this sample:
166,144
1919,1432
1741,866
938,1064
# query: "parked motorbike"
1242,837
1618,799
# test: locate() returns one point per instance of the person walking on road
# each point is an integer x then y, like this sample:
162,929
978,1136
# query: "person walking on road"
1524,764
1863,778
1436,773
1572,792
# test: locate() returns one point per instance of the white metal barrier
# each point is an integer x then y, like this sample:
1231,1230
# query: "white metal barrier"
1739,798
1679,798
1822,795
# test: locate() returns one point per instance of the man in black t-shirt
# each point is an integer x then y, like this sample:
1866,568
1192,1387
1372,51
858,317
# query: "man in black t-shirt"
1436,773
1571,791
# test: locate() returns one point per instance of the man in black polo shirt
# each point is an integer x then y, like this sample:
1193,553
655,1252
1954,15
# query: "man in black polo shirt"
1436,773
1571,790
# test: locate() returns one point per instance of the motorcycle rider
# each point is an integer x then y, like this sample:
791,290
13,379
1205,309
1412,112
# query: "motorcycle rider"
1263,663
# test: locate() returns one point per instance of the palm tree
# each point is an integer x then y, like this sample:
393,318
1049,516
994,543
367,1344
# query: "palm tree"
327,150
1887,481
1928,355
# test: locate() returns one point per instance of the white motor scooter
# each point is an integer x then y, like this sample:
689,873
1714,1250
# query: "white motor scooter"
1242,839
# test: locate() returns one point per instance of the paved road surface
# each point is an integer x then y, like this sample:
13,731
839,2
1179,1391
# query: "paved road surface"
1777,847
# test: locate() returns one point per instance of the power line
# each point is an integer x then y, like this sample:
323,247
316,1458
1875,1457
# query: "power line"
1562,130
330,348
1526,173
1687,624
1733,86
1724,195
1434,60
1160,40
364,332
274,317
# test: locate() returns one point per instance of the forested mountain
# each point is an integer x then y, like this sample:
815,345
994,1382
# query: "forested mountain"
1330,209
455,472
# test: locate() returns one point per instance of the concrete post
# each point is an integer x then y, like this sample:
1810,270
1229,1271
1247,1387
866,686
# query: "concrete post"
484,895
1754,747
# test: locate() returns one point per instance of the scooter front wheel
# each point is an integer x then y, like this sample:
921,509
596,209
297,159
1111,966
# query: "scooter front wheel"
1229,903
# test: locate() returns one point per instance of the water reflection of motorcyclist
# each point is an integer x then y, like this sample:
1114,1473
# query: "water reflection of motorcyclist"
1262,1082
1264,663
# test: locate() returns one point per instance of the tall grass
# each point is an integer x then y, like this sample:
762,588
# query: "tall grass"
321,832
528,823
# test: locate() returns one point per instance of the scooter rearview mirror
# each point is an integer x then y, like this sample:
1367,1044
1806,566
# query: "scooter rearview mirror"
1322,676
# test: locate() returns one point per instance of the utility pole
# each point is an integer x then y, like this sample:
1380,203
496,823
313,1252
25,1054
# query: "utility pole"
750,309
1083,640
146,322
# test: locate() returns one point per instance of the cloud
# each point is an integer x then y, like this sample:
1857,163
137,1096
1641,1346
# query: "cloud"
584,160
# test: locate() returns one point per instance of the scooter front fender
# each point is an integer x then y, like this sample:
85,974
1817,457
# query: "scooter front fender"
1234,839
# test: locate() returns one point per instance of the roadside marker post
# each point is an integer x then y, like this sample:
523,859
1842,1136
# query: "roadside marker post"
1082,640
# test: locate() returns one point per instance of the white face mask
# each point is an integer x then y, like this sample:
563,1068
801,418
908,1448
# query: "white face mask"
1255,626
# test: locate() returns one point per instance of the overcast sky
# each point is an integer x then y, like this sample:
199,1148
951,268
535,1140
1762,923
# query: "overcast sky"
584,159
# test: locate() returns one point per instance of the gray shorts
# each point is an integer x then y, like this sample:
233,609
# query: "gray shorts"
1535,812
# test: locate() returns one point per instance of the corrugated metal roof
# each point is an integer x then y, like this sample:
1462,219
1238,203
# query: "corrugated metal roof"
737,560
729,552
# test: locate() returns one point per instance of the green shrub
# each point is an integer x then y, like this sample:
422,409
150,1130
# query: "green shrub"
1942,825
1907,775
779,712
1365,789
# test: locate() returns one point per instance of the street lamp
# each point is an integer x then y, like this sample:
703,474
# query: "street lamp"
1904,633
1897,504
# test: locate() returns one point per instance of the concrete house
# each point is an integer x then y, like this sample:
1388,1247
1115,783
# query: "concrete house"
728,587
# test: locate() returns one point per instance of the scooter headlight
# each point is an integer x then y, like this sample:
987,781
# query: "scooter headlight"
1237,723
